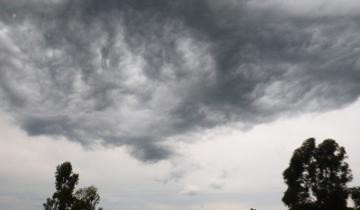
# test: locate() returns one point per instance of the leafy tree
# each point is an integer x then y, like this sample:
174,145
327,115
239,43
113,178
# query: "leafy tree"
64,197
65,183
296,177
317,177
86,198
331,176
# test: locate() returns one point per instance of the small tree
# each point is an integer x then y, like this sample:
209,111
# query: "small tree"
86,198
65,183
317,177
64,197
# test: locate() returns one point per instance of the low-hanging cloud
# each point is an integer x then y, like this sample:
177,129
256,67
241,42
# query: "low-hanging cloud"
137,73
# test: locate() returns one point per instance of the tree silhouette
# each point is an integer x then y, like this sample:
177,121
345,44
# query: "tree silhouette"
86,198
64,197
317,177
65,183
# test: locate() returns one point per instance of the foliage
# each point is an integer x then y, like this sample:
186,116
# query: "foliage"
86,198
317,177
64,197
355,195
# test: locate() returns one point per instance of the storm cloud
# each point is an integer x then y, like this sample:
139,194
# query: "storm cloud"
139,73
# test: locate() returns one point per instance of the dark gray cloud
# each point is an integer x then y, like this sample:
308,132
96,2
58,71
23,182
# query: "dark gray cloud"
137,73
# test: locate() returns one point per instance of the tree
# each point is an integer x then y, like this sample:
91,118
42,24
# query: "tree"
86,198
64,197
317,177
65,183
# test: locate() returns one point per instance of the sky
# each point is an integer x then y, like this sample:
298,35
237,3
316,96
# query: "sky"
186,105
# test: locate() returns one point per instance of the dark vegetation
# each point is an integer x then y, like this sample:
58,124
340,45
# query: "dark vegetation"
317,179
65,198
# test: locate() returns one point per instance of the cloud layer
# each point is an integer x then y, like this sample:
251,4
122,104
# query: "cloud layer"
138,73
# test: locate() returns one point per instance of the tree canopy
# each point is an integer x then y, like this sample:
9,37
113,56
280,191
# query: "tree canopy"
317,177
64,197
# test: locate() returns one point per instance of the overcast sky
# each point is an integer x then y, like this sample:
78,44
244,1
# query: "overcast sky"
181,104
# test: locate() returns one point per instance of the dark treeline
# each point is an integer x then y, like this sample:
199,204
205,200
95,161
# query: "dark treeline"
64,198
317,179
